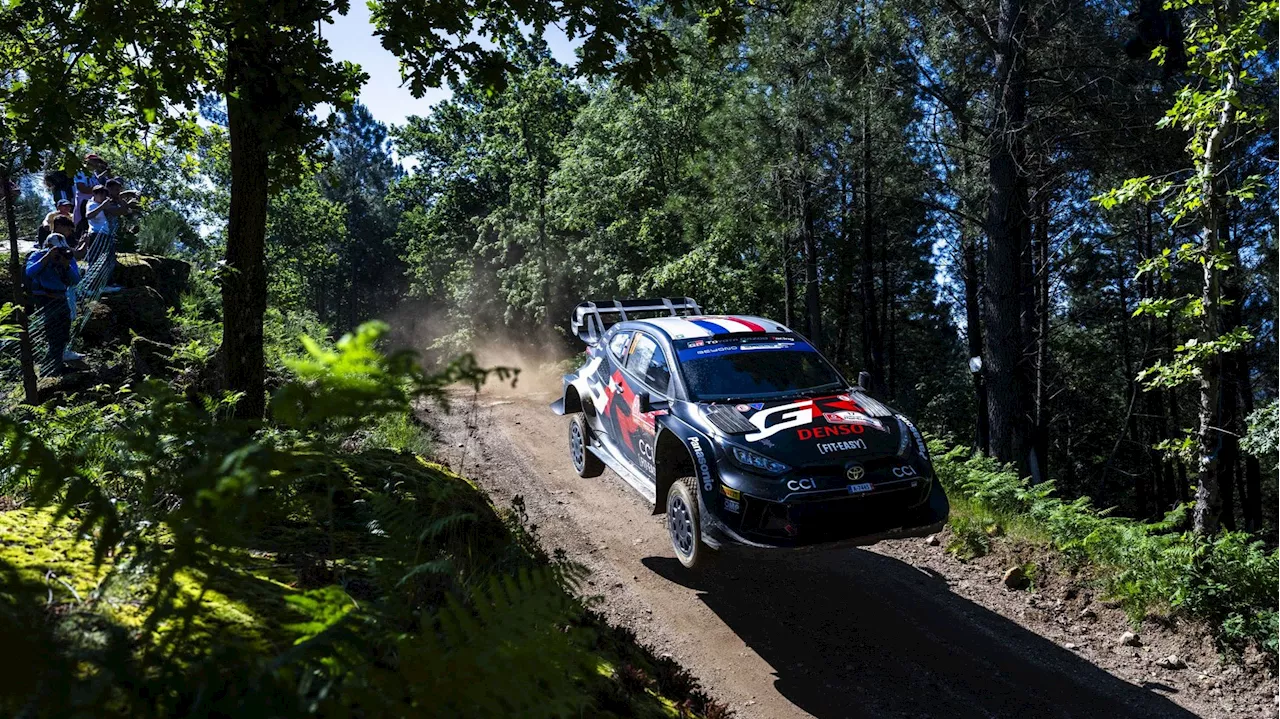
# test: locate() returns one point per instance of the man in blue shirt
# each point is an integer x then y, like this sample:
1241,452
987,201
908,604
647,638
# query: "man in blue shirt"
51,270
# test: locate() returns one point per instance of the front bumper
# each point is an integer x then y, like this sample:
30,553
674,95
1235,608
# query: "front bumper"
850,522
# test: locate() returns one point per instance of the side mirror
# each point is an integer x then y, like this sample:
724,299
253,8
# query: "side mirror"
647,404
864,381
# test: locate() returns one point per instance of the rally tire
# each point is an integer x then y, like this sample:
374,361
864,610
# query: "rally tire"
584,460
684,522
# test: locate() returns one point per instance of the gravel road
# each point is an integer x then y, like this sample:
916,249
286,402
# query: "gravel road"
899,630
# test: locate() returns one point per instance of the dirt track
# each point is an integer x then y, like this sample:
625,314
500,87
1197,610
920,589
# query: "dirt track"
901,630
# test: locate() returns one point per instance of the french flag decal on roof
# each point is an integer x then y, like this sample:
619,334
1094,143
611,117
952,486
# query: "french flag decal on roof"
718,325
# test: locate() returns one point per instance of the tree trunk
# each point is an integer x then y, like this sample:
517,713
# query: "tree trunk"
1208,508
971,276
1251,498
844,279
21,302
872,341
244,287
1003,340
973,329
1157,423
1040,294
809,246
788,281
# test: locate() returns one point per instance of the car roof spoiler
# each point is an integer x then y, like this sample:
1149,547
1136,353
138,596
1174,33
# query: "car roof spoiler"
592,318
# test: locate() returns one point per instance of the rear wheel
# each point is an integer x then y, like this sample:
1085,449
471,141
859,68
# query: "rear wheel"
584,460
684,522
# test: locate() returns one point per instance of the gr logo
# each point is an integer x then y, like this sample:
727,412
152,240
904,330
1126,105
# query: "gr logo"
796,485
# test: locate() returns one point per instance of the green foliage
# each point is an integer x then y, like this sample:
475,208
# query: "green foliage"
1227,580
201,568
1223,43
969,539
1263,439
162,231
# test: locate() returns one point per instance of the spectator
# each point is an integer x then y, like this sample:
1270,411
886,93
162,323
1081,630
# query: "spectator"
99,213
100,209
63,225
65,208
60,186
52,270
93,173
127,199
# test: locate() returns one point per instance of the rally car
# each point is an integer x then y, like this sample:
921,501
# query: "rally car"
741,432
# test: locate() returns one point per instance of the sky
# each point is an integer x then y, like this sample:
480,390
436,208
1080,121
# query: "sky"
351,37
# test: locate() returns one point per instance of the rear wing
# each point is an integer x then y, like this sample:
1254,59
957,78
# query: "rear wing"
591,319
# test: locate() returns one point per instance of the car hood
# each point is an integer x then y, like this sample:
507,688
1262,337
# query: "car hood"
803,431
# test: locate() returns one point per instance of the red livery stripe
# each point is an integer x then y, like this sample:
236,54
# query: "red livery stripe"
750,325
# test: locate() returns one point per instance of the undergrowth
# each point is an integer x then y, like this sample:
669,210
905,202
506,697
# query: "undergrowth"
162,559
1228,580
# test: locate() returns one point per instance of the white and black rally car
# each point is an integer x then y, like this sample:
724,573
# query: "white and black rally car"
741,431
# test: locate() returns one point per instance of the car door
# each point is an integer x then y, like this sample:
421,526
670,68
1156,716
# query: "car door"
647,369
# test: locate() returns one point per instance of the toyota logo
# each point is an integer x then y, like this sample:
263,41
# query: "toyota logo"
855,472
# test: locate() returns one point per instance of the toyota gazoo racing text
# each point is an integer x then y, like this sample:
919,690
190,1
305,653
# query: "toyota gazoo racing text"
741,432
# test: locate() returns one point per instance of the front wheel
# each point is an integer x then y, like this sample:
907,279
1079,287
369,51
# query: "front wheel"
584,460
684,522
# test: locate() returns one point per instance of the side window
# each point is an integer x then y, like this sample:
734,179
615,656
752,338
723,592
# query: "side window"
658,375
649,362
618,345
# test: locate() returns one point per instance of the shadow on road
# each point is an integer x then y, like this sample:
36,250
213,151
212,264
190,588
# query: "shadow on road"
857,634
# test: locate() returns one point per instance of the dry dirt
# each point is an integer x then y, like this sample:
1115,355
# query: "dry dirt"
899,630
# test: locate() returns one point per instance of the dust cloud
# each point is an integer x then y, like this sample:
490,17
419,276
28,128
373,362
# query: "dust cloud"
541,366
541,360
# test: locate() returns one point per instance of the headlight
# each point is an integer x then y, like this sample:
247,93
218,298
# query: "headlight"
756,462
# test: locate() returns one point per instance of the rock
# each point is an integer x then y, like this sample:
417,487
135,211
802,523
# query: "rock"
932,540
1070,645
1070,593
1014,578
1129,639
99,326
140,310
48,388
164,274
1088,613
150,358
1173,661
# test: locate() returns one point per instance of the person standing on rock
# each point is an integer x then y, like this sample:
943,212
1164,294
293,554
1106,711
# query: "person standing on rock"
99,212
93,173
52,270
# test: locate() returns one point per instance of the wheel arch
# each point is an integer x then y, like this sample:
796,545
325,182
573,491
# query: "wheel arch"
672,460
572,399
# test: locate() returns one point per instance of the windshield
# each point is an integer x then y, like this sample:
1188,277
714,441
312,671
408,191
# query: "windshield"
754,366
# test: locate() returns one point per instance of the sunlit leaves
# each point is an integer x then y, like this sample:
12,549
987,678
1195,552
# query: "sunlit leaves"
1190,357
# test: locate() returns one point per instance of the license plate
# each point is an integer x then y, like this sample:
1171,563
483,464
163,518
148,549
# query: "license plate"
858,488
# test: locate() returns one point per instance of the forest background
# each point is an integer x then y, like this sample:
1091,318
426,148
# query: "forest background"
1051,188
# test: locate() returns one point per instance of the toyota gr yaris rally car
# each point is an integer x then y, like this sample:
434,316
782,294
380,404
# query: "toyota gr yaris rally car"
741,432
